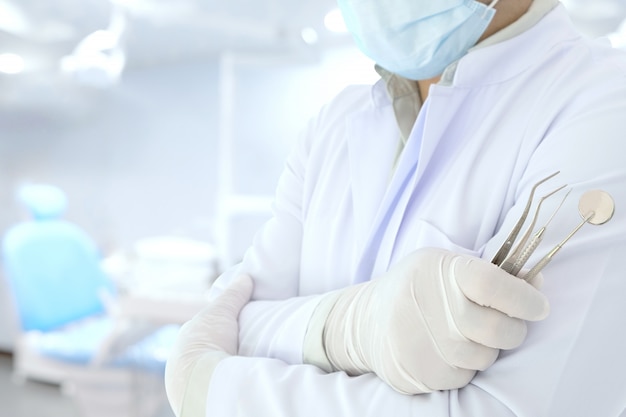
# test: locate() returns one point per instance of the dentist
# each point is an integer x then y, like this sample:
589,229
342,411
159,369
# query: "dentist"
370,291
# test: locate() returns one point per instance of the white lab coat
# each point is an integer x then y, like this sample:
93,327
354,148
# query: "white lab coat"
545,101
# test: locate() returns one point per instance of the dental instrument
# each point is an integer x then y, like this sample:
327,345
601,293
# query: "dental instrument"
595,207
514,262
508,243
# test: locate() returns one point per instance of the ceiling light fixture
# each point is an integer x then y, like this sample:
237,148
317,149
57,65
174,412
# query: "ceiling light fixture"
334,21
11,63
309,36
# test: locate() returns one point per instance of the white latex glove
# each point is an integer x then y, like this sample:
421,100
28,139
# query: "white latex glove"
428,324
211,336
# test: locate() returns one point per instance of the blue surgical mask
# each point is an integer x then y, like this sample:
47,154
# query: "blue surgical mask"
416,39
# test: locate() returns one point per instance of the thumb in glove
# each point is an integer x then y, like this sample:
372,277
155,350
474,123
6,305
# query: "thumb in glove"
208,338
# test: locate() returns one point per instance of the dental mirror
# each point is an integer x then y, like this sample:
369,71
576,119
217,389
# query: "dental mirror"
598,202
595,207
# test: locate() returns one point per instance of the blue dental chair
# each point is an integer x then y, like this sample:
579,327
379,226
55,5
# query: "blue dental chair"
70,333
52,265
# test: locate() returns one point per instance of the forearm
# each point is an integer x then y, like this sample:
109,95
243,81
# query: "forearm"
276,329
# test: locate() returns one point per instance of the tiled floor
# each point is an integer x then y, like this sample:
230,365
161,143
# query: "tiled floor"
34,399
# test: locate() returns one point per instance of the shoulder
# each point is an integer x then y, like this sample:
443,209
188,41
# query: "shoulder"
333,118
352,99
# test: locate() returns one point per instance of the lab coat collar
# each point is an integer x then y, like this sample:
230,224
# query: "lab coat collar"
502,61
380,96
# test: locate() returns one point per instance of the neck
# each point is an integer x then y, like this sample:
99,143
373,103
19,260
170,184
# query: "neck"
507,12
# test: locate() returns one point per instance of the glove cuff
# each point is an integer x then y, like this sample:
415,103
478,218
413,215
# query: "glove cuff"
343,336
314,352
194,399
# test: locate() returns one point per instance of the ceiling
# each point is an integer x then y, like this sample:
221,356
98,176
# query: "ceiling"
72,49
153,31
104,37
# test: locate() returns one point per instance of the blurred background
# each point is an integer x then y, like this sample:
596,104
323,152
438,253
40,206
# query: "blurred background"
167,123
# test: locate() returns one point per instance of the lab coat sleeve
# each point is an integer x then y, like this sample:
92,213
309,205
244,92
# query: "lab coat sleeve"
273,325
269,387
268,327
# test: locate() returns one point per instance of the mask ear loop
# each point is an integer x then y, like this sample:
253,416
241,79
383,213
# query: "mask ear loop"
491,6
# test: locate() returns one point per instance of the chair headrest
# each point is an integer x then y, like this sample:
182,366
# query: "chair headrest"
43,201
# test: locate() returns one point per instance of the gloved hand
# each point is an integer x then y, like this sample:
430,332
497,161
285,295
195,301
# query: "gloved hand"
211,336
428,324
